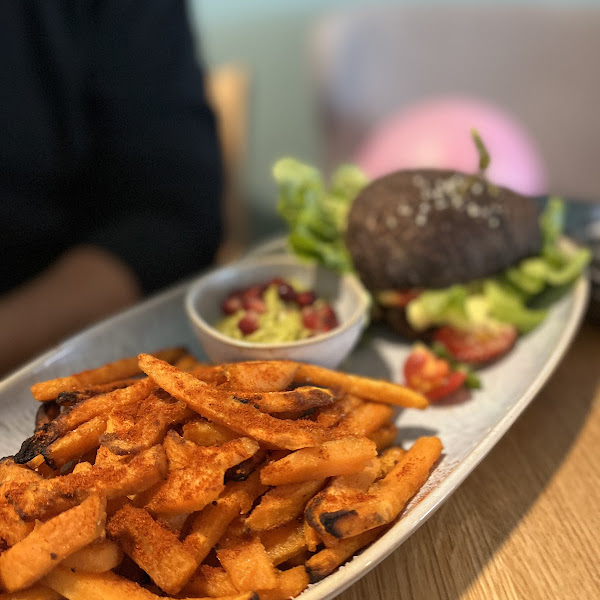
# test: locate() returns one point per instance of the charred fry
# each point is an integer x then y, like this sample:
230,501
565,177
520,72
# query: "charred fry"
377,390
281,504
386,498
80,413
120,369
75,396
46,498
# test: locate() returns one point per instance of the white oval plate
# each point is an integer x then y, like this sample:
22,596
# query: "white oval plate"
468,430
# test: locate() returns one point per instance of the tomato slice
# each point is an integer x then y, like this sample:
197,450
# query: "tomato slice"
423,371
430,375
453,382
477,345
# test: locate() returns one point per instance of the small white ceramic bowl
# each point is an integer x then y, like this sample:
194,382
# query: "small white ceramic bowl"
345,293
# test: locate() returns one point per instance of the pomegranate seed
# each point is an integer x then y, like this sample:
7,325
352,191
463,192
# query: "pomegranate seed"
310,318
248,323
231,304
328,316
276,281
254,304
286,292
254,291
305,298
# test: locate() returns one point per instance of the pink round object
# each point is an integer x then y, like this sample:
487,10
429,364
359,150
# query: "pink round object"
437,134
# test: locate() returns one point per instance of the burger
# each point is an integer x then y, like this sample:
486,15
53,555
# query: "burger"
448,256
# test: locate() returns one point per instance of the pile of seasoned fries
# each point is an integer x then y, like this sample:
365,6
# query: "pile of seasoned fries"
157,476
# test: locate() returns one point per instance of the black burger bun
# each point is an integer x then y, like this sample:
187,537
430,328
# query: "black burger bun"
431,228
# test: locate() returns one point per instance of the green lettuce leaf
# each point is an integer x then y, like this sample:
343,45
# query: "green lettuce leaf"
506,306
317,216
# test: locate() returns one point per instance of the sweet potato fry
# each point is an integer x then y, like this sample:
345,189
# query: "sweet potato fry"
37,592
196,473
346,490
248,564
298,400
30,559
139,426
12,473
46,498
211,582
311,537
173,523
377,390
242,596
215,583
329,416
156,550
224,408
289,585
75,396
282,543
75,444
384,437
120,369
211,374
321,564
212,478
12,527
105,457
260,376
210,523
385,499
82,467
79,585
390,458
74,416
364,419
187,362
282,504
35,463
48,411
242,471
99,557
337,457
206,433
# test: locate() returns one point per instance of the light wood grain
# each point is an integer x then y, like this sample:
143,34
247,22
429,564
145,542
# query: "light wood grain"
526,522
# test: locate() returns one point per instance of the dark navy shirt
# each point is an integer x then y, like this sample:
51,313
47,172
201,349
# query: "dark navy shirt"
105,138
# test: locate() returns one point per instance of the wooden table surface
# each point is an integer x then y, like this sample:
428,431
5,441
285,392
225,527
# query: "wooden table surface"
526,523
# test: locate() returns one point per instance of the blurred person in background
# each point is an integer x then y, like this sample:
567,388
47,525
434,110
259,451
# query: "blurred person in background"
110,169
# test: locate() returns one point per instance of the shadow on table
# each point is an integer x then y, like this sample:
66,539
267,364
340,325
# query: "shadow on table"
445,556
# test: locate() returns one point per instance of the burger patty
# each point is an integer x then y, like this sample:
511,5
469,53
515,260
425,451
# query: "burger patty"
432,228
